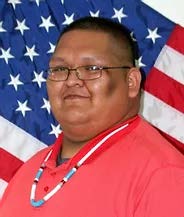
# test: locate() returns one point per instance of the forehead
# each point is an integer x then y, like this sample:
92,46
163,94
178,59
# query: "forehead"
87,44
84,39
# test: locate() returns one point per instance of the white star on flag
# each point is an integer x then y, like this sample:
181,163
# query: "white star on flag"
46,23
14,2
68,19
153,35
1,27
39,78
56,130
37,2
132,36
94,14
140,63
46,105
23,107
62,2
119,14
52,48
15,81
21,26
31,52
6,55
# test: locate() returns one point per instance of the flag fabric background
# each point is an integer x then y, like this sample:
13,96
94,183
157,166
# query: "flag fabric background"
29,30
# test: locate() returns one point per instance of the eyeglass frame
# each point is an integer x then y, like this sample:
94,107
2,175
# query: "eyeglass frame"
68,71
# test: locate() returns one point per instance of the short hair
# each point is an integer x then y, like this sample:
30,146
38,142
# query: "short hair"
114,29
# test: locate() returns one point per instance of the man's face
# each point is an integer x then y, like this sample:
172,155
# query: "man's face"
90,106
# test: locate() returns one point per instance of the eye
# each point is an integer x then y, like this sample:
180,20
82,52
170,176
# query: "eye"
59,69
92,68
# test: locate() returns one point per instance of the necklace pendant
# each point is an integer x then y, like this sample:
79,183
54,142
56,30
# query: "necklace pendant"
37,203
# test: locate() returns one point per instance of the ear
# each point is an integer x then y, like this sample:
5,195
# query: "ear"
133,81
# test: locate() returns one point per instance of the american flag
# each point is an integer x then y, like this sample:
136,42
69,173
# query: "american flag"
28,33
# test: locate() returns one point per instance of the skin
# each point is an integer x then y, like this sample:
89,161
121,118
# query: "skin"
86,108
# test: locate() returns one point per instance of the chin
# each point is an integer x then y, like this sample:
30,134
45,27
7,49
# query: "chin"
73,120
77,133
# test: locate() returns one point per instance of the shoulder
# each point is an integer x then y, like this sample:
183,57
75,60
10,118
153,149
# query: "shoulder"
37,158
31,165
148,140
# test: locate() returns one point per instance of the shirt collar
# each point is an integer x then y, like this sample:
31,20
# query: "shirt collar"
133,122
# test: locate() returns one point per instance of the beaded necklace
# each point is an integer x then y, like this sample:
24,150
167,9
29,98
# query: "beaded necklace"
70,173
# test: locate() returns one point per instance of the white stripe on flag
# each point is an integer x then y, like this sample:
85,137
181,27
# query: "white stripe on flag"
3,186
18,142
162,116
173,10
171,62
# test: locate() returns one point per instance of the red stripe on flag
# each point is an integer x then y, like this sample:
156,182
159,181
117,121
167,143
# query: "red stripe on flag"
165,88
9,164
176,39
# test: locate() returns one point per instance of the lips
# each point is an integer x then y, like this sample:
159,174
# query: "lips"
74,96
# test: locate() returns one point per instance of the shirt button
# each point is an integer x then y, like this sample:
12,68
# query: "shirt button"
46,188
53,173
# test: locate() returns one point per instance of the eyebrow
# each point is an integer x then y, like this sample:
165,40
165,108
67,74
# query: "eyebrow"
56,60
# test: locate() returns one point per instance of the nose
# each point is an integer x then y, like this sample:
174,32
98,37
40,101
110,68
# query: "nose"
73,79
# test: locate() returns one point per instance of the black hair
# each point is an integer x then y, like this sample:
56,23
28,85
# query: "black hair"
116,30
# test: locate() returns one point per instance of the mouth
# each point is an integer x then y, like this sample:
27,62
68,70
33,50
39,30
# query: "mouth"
75,97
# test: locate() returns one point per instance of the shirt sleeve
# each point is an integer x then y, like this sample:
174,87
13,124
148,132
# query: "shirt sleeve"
164,194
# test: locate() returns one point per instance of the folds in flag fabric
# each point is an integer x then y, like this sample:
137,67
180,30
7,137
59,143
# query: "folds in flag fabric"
28,34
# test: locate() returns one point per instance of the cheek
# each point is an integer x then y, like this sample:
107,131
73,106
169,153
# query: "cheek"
54,92
109,87
116,95
99,90
112,88
105,92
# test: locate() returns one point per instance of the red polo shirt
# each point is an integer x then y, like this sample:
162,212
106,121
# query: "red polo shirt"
135,173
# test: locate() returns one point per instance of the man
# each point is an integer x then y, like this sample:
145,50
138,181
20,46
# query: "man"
108,161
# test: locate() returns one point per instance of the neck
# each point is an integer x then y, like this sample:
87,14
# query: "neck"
75,137
70,147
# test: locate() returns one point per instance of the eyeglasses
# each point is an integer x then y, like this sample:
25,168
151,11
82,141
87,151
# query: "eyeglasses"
82,72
